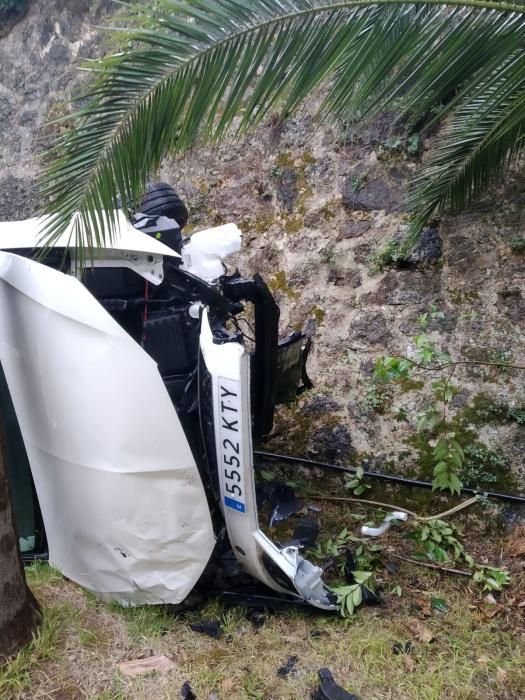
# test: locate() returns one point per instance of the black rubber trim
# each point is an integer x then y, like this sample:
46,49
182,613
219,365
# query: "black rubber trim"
514,498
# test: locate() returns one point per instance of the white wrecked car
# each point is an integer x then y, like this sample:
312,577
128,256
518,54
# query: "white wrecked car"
136,394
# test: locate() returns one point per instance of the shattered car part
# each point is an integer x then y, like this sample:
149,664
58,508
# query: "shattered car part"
385,525
369,596
211,628
288,667
281,499
306,532
137,398
329,690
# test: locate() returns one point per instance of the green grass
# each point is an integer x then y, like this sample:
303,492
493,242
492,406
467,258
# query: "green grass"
473,656
15,677
144,623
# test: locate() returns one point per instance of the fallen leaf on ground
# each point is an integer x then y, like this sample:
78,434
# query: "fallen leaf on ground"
227,684
424,606
419,630
409,663
516,543
502,675
490,612
138,667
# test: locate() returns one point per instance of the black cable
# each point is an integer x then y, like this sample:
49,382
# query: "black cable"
384,477
235,320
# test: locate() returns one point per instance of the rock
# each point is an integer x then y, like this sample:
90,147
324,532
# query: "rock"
428,249
406,287
6,111
139,667
461,399
331,444
354,229
320,405
363,253
367,190
343,278
512,304
58,53
287,189
370,327
9,17
19,198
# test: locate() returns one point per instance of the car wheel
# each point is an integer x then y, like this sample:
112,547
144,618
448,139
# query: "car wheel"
160,199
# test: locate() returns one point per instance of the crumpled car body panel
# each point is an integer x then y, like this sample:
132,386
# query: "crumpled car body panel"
137,396
122,500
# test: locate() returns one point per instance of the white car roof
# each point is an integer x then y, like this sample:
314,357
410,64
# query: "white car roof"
28,234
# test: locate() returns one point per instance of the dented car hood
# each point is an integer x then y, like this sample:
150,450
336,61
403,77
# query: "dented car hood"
123,503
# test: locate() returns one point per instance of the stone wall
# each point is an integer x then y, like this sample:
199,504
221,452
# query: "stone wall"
39,60
318,208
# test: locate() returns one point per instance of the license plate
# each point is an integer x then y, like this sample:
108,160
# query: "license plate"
230,452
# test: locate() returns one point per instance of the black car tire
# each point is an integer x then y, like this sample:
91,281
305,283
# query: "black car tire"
160,199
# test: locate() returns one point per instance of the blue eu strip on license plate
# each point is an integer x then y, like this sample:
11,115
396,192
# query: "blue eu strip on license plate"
232,503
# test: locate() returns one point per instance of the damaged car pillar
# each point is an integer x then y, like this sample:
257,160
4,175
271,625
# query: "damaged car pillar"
138,394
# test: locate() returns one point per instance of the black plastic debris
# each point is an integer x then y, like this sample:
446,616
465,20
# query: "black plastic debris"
328,688
187,693
283,502
369,597
349,566
257,619
306,532
209,627
268,603
401,648
317,634
288,667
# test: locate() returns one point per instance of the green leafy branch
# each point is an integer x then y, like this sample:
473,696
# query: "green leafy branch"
350,597
356,483
447,452
440,544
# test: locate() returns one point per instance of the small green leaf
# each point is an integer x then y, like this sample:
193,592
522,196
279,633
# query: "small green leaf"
438,604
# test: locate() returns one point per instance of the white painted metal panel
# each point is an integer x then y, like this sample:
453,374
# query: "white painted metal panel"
28,234
123,503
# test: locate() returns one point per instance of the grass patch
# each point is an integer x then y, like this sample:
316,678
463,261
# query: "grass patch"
144,623
15,677
476,652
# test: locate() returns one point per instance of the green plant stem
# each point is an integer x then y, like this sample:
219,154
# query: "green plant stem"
427,565
389,506
450,511
455,363
445,402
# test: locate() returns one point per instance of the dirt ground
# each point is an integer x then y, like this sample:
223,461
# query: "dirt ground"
435,635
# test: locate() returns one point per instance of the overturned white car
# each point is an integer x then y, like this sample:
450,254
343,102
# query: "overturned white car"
137,394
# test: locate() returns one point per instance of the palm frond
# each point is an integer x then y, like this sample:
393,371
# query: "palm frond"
483,137
195,65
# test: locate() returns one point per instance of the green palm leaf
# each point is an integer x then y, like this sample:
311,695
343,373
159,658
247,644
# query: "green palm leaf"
200,66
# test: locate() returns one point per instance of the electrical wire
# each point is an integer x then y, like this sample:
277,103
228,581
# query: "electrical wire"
235,320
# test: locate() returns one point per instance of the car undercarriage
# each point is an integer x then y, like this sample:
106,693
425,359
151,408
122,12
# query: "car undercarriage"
140,378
